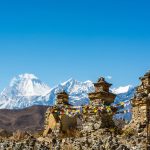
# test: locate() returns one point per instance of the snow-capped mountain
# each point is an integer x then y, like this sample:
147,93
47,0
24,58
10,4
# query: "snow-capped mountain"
121,89
26,85
27,90
23,91
123,93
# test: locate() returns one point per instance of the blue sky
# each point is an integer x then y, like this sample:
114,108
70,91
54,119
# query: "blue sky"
58,39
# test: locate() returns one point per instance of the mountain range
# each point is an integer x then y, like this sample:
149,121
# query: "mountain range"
27,90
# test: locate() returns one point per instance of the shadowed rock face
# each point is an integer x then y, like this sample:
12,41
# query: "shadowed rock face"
29,119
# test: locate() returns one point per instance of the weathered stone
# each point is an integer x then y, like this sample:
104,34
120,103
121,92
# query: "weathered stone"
97,126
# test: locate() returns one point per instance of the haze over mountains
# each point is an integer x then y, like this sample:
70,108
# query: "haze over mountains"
27,90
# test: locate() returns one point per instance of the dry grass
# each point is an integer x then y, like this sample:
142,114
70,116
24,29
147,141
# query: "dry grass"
128,132
19,135
68,147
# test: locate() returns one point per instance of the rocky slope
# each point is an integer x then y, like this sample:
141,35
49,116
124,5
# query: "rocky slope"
29,119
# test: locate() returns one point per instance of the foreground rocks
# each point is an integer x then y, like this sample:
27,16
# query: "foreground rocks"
99,140
90,137
27,144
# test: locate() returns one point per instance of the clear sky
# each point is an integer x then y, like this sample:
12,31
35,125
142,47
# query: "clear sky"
82,39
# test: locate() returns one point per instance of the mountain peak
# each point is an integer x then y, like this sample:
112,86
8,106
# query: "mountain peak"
26,85
28,76
22,77
122,89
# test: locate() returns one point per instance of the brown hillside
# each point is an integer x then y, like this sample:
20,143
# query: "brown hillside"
28,119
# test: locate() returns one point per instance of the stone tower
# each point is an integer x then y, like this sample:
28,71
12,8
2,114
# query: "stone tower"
140,100
103,97
141,107
102,93
62,99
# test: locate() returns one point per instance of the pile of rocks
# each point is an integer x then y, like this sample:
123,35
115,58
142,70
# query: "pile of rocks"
94,140
141,100
92,137
141,111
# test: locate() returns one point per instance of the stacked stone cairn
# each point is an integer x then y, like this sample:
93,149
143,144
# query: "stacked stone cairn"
141,110
102,96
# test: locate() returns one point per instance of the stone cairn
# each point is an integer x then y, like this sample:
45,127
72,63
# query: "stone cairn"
103,96
61,103
95,132
62,99
141,108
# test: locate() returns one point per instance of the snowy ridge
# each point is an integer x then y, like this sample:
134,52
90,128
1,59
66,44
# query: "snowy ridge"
122,89
77,91
27,90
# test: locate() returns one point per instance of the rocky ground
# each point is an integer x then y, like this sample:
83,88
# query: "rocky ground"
90,137
99,140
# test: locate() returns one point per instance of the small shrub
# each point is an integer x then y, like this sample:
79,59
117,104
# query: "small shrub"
19,135
129,132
